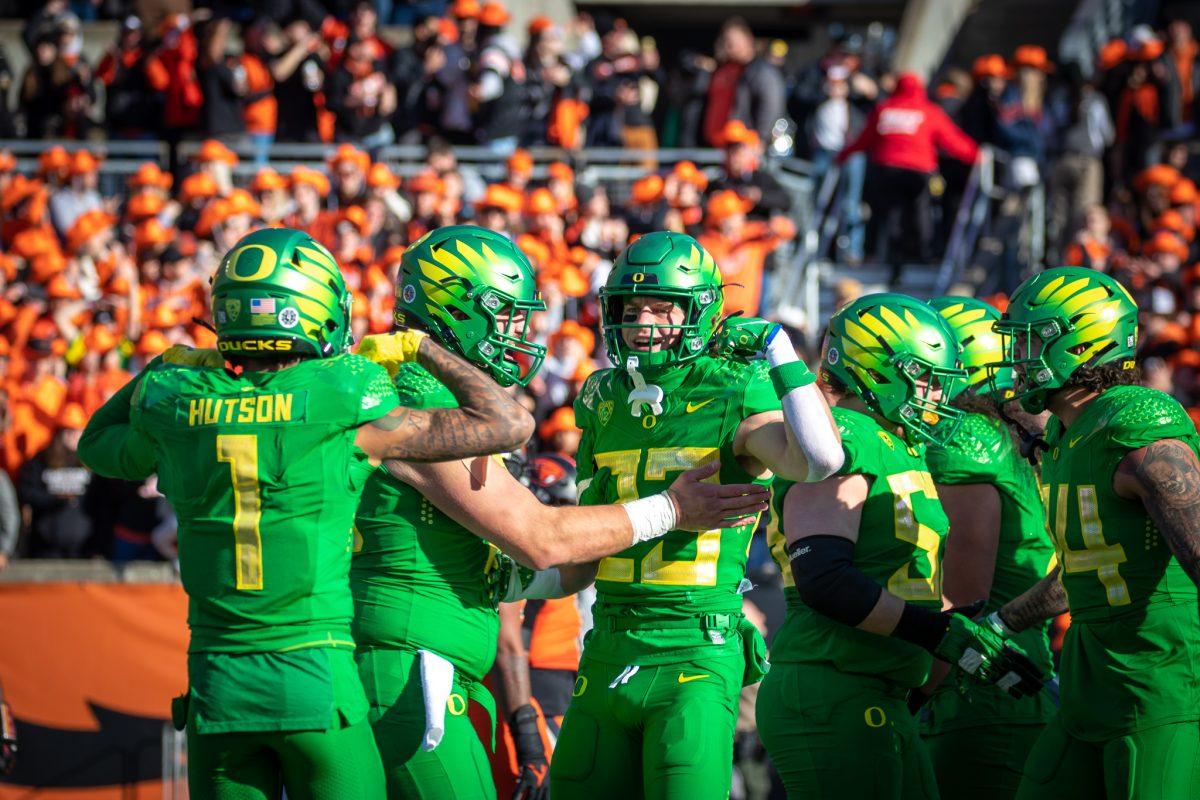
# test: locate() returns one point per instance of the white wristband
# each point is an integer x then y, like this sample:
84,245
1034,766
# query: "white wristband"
780,349
651,517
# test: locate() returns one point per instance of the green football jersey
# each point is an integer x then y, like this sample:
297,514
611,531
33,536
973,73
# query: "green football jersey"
1131,658
682,574
899,546
983,451
264,477
419,578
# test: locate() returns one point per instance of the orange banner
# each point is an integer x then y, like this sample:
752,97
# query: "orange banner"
89,670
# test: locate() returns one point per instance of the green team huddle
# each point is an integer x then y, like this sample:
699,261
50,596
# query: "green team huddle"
951,480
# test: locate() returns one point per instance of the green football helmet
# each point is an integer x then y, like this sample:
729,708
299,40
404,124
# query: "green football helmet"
279,291
457,283
972,321
672,266
881,346
1061,320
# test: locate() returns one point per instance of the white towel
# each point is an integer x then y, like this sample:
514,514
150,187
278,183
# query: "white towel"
437,681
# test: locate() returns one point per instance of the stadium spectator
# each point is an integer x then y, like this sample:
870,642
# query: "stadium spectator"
744,173
52,485
56,91
619,77
1181,80
744,86
902,138
833,122
69,202
741,248
130,107
299,74
498,82
1077,178
360,97
222,83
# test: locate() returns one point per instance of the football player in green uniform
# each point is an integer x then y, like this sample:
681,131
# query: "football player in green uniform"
263,464
1121,485
864,617
425,580
655,702
978,736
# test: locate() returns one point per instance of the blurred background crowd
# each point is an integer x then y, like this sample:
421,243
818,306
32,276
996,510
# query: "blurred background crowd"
100,270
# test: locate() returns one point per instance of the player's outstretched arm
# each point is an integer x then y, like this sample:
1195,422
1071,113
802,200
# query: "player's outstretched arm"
1165,476
1044,600
800,442
488,420
822,520
485,499
109,445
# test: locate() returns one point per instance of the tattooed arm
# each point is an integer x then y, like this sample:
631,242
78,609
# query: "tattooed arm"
1044,600
1165,476
487,421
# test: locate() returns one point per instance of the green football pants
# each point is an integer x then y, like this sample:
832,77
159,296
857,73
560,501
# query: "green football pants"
312,765
1161,763
457,769
832,734
656,732
981,763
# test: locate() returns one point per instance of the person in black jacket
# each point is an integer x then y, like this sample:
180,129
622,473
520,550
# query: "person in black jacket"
222,83
52,485
361,98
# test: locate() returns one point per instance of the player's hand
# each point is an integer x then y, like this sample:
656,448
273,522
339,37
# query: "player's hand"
703,506
508,579
390,350
193,357
533,768
987,658
8,740
743,338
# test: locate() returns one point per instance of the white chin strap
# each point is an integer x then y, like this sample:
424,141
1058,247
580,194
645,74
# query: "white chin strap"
643,393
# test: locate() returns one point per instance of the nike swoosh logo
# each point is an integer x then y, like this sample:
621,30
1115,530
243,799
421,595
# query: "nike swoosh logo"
1075,441
694,406
689,678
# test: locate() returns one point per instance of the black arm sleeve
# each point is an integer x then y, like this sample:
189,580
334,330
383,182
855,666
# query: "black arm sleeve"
830,584
828,581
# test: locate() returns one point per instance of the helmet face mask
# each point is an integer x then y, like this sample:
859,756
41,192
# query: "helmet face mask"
667,266
900,358
1062,320
476,293
690,340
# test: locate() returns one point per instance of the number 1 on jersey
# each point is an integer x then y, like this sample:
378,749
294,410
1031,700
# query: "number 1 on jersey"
240,451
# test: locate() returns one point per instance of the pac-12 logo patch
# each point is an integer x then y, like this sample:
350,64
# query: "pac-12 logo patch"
288,317
409,294
233,307
833,355
605,411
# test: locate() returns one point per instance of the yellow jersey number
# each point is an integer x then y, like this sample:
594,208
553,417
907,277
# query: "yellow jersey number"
655,568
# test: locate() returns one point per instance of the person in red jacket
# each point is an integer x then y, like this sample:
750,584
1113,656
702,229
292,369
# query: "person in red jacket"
902,138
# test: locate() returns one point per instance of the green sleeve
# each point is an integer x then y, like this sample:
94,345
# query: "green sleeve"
974,455
759,395
1147,416
858,443
417,388
377,394
585,467
110,446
